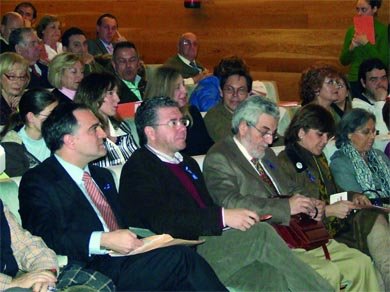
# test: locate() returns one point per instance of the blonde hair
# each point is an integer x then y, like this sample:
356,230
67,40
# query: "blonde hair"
58,65
9,59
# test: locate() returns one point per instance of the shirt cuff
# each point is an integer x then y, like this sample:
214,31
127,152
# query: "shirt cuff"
223,217
94,243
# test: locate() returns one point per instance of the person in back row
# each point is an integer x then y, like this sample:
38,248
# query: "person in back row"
81,217
164,191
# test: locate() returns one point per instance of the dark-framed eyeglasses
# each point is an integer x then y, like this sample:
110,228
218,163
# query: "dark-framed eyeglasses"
175,123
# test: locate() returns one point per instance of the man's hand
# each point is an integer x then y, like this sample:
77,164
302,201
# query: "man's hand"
301,204
122,241
340,209
37,280
380,93
241,219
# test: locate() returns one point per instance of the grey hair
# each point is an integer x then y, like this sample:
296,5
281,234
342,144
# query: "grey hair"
250,110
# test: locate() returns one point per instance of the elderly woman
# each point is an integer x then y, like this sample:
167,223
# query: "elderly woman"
99,91
66,71
305,163
49,30
357,47
21,137
319,84
14,80
166,81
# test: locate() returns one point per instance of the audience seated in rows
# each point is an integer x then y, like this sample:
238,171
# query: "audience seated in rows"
25,42
78,221
185,61
26,262
164,191
242,172
107,35
357,47
14,76
99,91
167,81
74,41
374,90
21,137
125,64
303,161
235,86
9,22
28,11
49,31
66,71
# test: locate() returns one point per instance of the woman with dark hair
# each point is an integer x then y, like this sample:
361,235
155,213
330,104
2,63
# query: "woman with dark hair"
167,81
21,137
304,162
357,47
357,166
344,102
320,85
99,91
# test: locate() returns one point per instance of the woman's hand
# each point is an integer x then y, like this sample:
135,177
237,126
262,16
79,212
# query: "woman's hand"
340,209
358,40
360,200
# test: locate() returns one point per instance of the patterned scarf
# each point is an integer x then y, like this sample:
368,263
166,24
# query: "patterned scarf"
371,173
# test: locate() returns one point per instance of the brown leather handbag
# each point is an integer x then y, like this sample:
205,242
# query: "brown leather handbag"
304,232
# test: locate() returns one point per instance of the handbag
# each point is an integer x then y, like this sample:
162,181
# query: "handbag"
304,232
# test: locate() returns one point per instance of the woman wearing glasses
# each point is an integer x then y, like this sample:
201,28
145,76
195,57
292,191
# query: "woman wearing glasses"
357,47
167,81
99,91
305,163
344,102
21,137
14,80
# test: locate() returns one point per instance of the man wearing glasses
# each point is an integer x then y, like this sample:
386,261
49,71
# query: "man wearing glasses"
374,84
235,86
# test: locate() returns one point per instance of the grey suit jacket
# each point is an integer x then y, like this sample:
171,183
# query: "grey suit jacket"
234,183
95,47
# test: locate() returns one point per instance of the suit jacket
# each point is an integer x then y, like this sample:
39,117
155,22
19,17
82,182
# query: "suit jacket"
30,252
185,70
62,98
154,198
218,121
96,47
234,183
40,81
125,94
53,206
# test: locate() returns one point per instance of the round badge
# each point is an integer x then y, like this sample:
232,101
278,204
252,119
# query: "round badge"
299,165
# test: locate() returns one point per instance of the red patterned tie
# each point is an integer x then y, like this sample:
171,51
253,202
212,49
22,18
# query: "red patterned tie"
263,175
100,202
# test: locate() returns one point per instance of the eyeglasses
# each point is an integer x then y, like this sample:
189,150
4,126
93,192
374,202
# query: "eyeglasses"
264,134
175,123
367,132
242,91
15,78
377,79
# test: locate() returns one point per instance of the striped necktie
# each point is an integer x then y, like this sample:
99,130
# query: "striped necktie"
100,202
263,175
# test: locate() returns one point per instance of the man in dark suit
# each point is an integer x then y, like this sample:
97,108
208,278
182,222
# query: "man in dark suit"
185,60
25,42
9,22
76,212
164,191
125,64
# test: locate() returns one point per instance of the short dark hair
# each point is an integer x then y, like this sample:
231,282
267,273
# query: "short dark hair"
146,114
68,33
350,122
375,3
123,45
369,65
27,4
311,116
59,123
228,64
16,36
240,72
100,19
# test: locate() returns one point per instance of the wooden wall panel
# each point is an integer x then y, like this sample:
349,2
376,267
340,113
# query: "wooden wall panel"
277,38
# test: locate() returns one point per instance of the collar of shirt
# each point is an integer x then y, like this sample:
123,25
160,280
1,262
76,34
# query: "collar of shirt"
133,85
185,60
244,151
108,46
37,69
370,99
115,132
68,92
75,172
176,159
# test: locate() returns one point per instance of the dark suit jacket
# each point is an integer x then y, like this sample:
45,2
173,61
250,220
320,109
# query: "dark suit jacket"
62,98
125,94
53,207
234,183
185,70
95,47
40,81
154,198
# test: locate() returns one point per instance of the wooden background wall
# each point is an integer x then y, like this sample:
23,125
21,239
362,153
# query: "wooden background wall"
277,38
